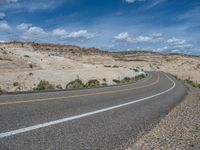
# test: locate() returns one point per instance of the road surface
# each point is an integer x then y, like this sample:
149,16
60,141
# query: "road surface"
100,118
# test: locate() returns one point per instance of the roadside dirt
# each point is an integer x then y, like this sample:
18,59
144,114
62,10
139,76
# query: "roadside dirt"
179,130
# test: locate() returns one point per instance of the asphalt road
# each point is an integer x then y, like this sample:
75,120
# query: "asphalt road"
101,118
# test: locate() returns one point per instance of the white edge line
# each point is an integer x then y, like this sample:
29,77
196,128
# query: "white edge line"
26,129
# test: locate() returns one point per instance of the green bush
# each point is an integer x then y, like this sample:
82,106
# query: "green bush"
194,84
16,84
116,81
104,84
139,77
1,91
59,86
44,85
92,83
104,79
136,70
30,66
107,66
75,84
115,66
27,56
126,80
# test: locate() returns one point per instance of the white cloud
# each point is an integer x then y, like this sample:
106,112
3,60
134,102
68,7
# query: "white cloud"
30,32
124,36
157,34
4,26
24,26
157,2
133,1
183,46
176,41
142,39
59,32
2,15
34,33
79,35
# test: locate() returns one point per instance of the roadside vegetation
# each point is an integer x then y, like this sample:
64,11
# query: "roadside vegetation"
1,91
92,83
126,80
109,66
44,85
192,83
77,83
16,84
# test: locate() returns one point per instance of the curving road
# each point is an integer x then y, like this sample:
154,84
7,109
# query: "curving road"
101,118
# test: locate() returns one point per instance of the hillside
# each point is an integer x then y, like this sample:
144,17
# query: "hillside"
28,63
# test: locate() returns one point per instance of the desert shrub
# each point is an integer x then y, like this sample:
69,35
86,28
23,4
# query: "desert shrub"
139,77
27,56
192,83
136,70
59,86
104,84
30,66
1,91
126,80
92,83
16,84
116,81
104,79
108,66
115,66
44,85
75,84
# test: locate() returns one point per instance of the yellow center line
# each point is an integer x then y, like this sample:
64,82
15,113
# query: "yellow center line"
80,95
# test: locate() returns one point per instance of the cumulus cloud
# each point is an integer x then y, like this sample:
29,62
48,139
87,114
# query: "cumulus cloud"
79,35
59,32
34,33
2,15
176,41
4,27
30,32
177,45
124,36
24,26
133,1
73,36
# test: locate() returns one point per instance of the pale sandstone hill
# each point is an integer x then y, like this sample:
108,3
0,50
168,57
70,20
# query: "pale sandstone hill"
28,63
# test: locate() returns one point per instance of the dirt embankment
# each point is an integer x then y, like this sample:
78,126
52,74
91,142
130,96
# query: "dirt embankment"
179,130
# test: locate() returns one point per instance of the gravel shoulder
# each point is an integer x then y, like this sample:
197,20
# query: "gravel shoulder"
179,130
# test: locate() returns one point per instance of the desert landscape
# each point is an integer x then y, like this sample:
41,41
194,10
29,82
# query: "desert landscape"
24,64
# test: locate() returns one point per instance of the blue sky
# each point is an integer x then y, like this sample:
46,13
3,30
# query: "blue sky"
157,25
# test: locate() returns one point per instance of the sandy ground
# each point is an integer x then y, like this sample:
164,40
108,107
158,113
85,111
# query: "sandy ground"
15,67
27,66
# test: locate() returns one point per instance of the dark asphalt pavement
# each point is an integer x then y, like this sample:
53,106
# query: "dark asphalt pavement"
101,118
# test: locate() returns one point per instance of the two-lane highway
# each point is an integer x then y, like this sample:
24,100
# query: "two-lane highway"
100,118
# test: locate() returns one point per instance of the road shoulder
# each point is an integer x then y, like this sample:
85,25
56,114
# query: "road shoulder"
180,129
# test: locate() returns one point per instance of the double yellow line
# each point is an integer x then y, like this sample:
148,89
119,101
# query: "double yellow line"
80,95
